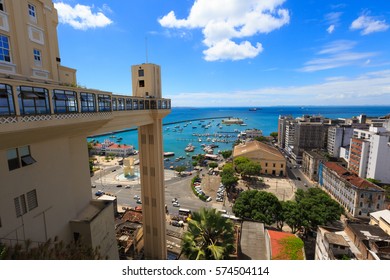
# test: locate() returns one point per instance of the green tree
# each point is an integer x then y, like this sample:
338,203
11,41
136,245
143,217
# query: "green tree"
213,164
261,139
226,154
259,206
274,135
250,169
180,169
209,236
315,207
374,181
291,215
229,181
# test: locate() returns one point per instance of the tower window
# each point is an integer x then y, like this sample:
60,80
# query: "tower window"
140,72
4,49
141,83
37,58
2,5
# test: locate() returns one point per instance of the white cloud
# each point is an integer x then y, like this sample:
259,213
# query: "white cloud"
332,19
330,29
372,88
224,21
81,16
337,54
369,25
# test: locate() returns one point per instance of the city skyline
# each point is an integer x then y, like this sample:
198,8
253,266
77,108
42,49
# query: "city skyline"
273,52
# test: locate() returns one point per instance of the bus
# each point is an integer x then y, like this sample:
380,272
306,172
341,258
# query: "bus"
184,212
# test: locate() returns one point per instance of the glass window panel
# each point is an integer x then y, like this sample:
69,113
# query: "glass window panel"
12,153
24,151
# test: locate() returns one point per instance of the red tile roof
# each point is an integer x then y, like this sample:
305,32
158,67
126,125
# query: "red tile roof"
278,249
351,177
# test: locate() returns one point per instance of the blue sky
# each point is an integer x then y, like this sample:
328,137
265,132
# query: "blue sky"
233,52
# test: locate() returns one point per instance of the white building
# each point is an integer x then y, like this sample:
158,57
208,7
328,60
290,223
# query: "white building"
373,153
338,136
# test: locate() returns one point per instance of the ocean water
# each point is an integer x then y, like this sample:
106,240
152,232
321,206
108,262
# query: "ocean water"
265,119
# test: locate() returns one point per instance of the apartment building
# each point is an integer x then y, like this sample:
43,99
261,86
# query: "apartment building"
370,153
282,123
44,122
338,136
358,196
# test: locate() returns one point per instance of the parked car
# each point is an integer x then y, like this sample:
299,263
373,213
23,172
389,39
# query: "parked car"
127,187
177,223
174,200
99,193
298,178
93,186
176,204
136,197
209,199
139,201
119,186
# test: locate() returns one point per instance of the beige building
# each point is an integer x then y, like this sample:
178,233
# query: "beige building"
44,122
310,163
381,219
272,162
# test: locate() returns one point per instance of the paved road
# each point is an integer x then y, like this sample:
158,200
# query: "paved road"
175,187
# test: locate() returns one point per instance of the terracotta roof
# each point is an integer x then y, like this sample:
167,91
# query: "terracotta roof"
351,177
277,247
241,150
132,216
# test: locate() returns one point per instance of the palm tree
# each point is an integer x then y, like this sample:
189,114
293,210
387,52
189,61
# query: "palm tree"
209,236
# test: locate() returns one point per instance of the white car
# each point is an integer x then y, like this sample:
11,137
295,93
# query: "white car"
176,204
127,187
136,197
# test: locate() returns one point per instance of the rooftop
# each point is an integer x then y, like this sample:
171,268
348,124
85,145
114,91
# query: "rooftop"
351,177
256,146
383,214
282,248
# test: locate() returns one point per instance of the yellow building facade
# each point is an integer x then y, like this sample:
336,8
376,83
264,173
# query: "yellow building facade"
44,121
272,162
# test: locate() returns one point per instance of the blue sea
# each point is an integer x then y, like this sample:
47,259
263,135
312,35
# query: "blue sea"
265,119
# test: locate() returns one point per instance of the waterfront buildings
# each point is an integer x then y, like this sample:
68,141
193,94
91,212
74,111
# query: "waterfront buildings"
272,162
358,196
44,122
111,148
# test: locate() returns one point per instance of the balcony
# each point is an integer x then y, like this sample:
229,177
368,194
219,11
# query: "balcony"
37,108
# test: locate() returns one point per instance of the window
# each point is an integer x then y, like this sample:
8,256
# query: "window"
129,104
6,101
32,200
141,83
37,58
104,102
114,107
140,72
88,103
32,12
281,166
19,157
2,5
64,101
273,165
13,159
5,54
135,104
20,205
33,100
266,164
121,104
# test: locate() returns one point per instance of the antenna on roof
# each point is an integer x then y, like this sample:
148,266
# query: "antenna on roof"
146,48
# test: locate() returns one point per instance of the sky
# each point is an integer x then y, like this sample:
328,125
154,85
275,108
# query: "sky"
230,53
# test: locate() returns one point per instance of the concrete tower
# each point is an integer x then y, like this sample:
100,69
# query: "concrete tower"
147,83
